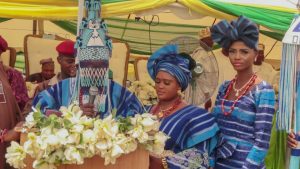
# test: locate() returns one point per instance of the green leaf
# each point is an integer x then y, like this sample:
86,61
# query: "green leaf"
37,116
114,113
124,124
57,124
67,123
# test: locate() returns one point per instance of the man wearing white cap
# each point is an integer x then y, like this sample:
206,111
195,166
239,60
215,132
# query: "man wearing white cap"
46,74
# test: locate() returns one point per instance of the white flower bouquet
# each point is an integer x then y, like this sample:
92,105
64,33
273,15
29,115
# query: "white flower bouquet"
70,138
144,91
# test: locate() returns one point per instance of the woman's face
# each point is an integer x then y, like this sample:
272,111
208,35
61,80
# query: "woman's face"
166,86
241,56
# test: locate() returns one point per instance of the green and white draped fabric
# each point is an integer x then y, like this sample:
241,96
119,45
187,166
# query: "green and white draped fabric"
288,116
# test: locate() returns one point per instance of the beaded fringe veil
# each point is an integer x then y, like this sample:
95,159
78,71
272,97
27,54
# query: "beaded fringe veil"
93,52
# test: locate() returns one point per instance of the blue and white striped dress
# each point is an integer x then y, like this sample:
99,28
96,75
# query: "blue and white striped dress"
192,131
245,134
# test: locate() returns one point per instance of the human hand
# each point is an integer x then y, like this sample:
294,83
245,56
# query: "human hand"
88,109
292,142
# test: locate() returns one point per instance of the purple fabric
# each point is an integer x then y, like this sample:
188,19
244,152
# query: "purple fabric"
18,86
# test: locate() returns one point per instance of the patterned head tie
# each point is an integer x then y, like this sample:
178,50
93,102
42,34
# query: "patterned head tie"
243,29
168,59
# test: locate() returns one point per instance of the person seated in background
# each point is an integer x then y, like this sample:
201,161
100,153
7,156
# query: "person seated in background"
14,78
191,129
12,95
46,74
207,43
66,60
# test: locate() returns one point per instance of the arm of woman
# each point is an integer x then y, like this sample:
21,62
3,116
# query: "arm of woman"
262,128
13,135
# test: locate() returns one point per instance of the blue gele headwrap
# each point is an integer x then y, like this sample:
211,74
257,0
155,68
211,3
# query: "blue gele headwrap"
167,59
243,29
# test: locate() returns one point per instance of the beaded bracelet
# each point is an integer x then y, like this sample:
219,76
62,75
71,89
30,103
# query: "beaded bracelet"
164,163
165,153
2,133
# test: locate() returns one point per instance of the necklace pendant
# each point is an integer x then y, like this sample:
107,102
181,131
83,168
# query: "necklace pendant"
237,94
160,114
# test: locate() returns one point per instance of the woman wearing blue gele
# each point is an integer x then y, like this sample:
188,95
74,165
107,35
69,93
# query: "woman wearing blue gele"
191,129
244,106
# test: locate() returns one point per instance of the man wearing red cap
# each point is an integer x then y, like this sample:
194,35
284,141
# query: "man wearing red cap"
12,90
66,59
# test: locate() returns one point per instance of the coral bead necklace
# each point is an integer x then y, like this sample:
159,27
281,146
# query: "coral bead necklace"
161,113
232,83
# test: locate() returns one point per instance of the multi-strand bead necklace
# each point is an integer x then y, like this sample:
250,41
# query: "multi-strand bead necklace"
245,88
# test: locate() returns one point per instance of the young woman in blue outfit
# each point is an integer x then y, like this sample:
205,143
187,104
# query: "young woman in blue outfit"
191,129
244,106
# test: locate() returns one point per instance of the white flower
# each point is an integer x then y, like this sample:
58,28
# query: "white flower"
89,136
104,144
148,124
159,142
46,131
129,146
78,128
41,143
90,150
56,157
52,140
79,137
62,135
15,155
72,154
116,151
41,164
144,91
87,122
30,147
30,122
73,138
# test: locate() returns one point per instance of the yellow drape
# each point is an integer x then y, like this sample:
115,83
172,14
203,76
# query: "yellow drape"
67,9
45,2
203,9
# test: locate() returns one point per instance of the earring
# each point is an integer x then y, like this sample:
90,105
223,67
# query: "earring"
180,93
255,59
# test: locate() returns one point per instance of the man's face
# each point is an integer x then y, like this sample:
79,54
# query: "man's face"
48,70
67,64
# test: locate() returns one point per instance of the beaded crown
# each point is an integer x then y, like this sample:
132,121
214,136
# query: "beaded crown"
94,49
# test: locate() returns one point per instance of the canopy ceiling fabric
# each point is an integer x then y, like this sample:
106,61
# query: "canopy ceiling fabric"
275,17
143,40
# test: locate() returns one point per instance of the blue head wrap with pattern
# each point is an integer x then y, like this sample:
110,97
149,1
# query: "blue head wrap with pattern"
167,59
242,29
